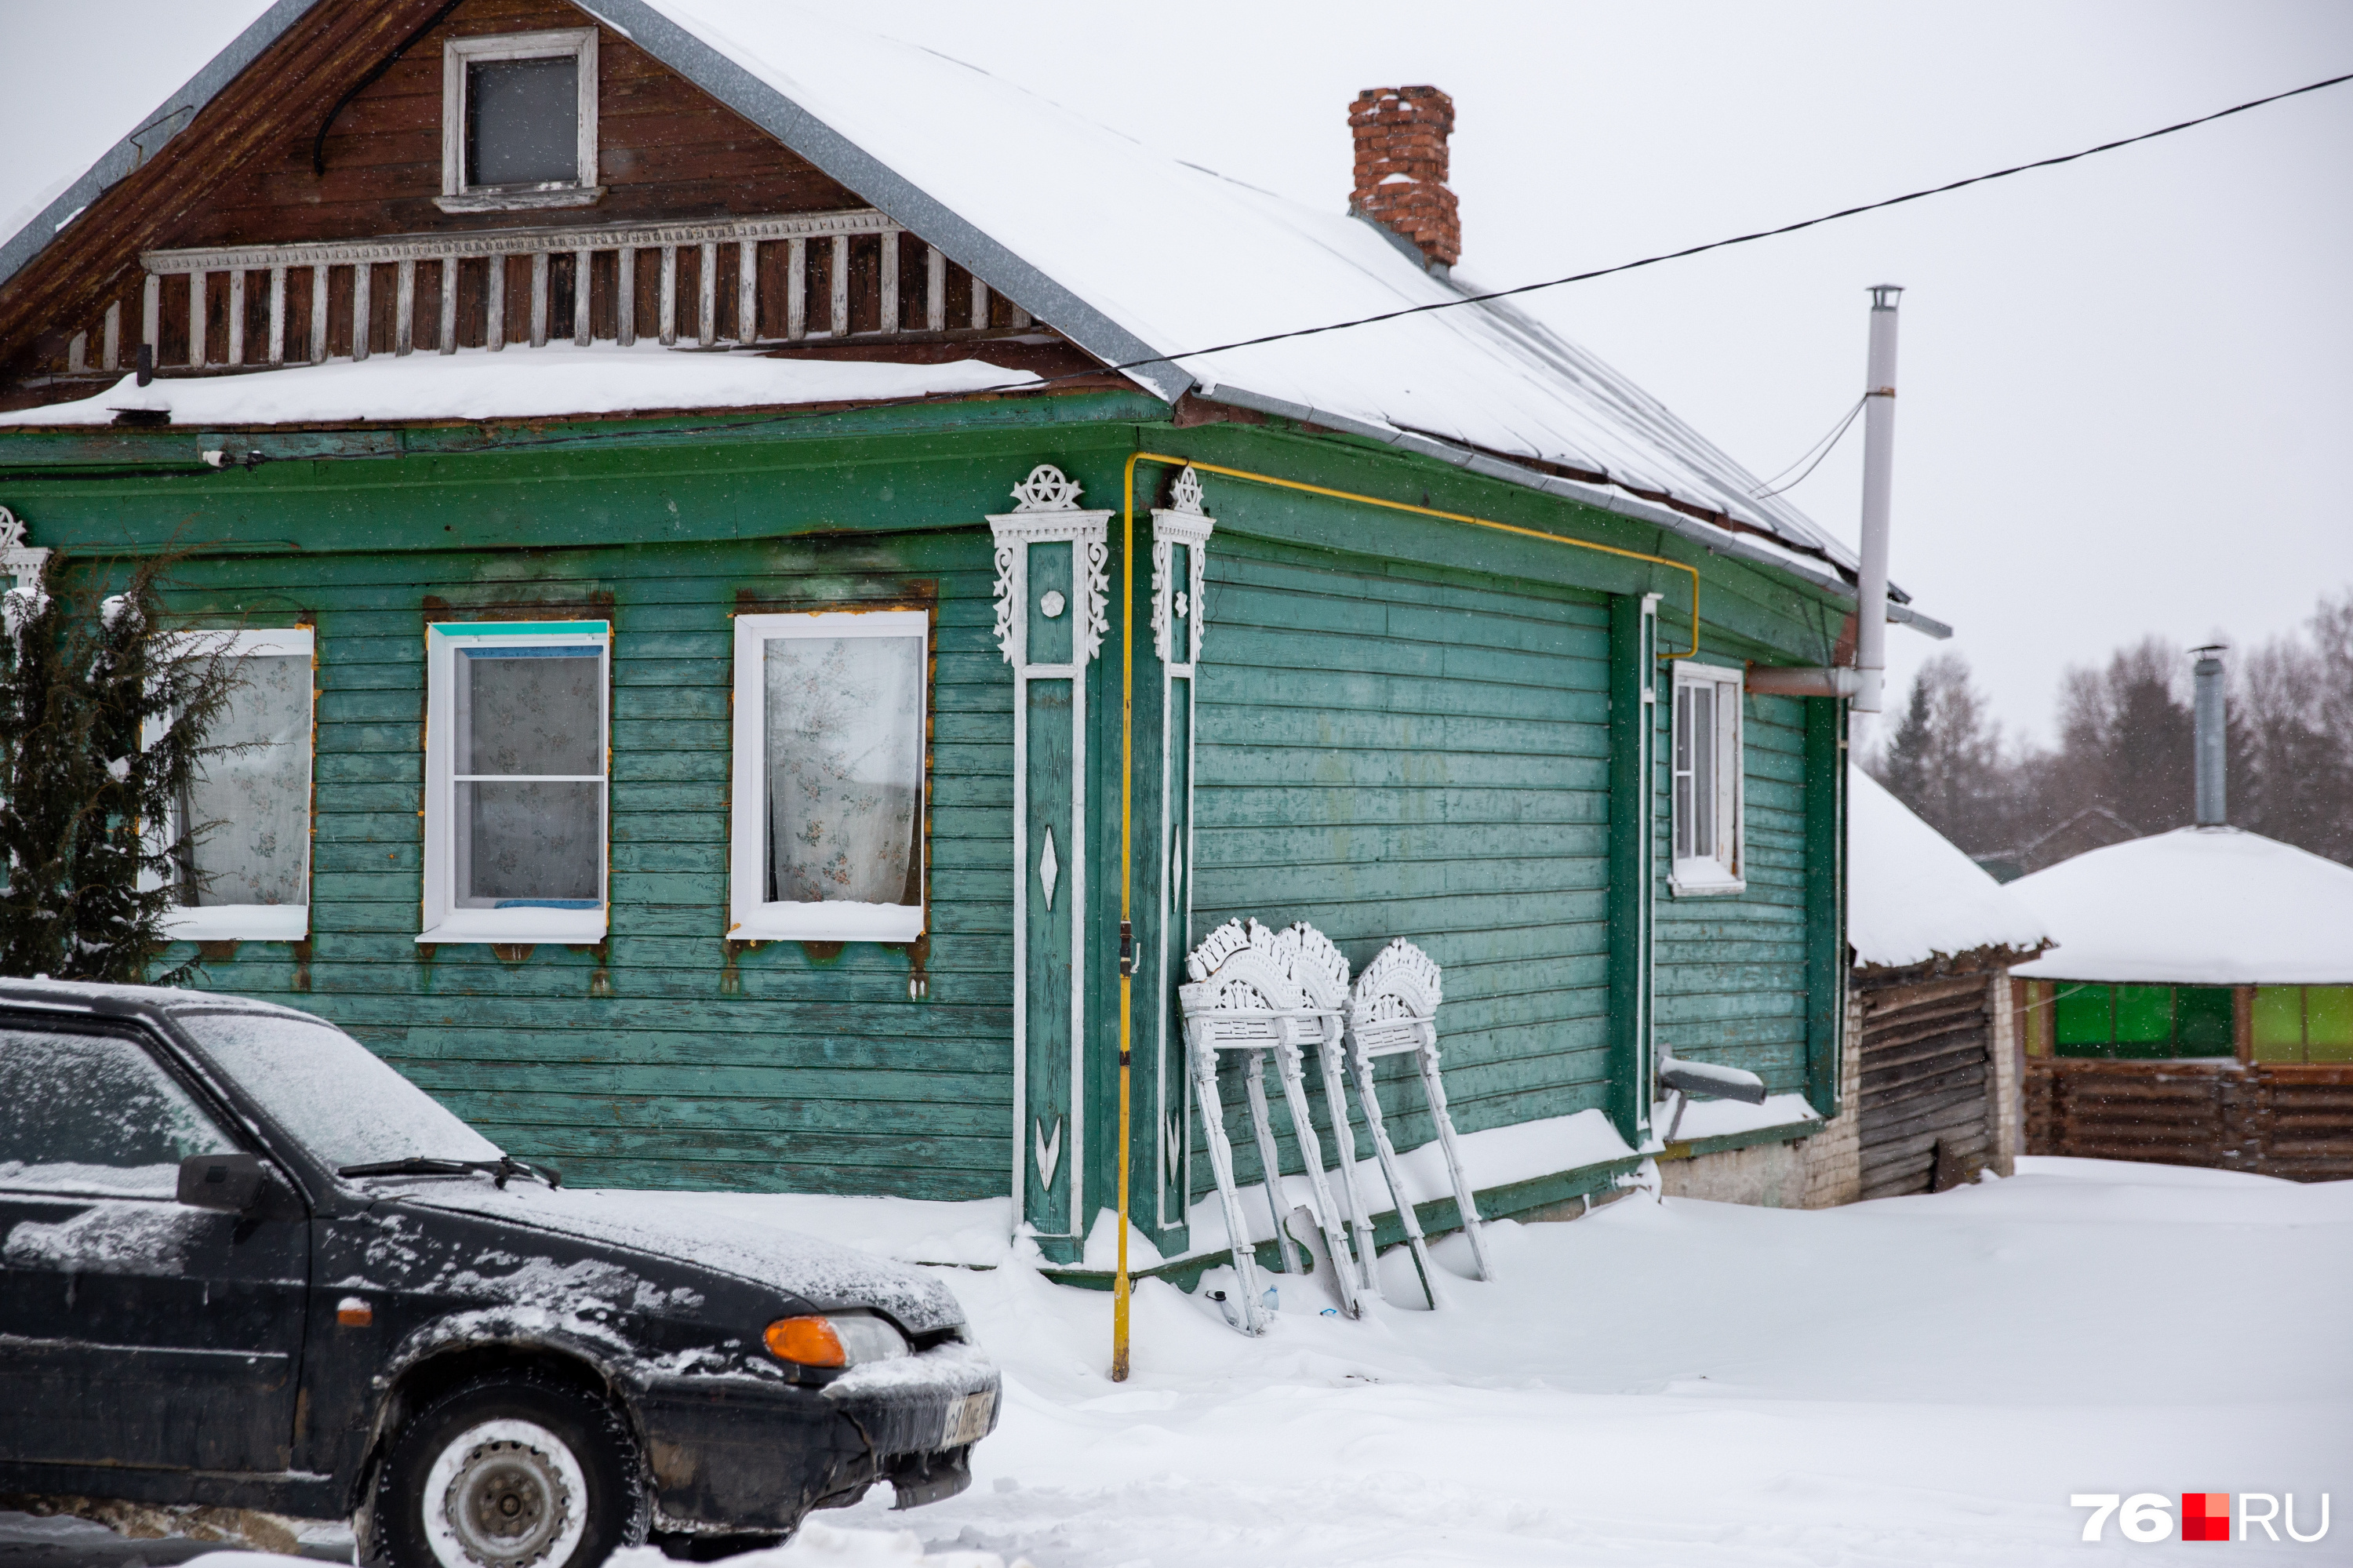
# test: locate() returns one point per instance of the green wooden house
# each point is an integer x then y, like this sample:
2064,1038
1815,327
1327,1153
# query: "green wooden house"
790,619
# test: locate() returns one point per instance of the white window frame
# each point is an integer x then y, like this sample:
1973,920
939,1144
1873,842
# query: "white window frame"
1726,870
749,917
249,922
457,194
443,920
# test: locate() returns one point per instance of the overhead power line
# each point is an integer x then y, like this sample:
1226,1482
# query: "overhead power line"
1747,239
1037,382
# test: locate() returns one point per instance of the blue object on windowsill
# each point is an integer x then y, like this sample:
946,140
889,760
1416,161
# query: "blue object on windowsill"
547,903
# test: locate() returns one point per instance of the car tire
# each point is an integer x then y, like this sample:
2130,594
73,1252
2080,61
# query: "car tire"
512,1471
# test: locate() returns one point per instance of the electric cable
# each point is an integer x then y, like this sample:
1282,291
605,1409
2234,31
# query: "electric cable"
1818,451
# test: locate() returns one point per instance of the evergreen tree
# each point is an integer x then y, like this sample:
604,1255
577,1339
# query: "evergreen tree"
1944,759
91,865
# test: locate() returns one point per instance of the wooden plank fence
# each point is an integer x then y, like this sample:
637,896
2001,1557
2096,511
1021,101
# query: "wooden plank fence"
2294,1121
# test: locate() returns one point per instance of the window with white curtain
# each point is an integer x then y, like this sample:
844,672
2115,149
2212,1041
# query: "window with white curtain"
826,840
1704,752
515,764
245,876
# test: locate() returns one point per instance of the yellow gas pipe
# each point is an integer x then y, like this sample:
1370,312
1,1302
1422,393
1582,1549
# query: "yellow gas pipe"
1119,1322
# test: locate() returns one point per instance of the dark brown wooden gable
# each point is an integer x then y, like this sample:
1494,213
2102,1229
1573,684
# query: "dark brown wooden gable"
247,171
665,149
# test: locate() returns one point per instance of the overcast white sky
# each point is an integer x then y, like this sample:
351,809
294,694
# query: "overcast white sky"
2126,385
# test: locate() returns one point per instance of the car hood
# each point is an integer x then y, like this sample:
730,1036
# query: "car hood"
674,1226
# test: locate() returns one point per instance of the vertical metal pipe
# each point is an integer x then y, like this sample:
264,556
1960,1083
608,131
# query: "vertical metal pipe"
2212,752
1878,488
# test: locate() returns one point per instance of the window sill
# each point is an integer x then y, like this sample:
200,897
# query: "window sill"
520,201
517,926
239,923
843,922
1704,879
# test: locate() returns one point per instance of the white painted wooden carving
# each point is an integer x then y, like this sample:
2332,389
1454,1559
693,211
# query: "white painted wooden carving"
1180,541
20,562
1393,1011
1050,786
1268,992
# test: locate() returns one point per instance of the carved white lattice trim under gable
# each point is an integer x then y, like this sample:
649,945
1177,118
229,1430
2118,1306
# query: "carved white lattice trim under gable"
1042,598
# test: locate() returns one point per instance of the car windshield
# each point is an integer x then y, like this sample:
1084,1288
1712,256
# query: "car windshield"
341,1100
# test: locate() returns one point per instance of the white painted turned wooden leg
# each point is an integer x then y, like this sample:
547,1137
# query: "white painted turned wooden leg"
1270,1159
1344,1134
1204,1064
1335,1240
1428,1056
1396,1179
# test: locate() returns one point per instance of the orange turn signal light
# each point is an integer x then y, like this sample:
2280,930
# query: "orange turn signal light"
353,1313
806,1341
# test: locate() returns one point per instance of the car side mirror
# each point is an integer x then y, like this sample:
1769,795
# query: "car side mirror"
228,1182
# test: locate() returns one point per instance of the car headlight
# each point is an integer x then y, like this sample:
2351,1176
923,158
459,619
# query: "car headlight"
834,1340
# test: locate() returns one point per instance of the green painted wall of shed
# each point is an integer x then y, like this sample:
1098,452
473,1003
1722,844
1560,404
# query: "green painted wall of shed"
781,1066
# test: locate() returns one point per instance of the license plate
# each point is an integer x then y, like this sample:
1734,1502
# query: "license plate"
968,1418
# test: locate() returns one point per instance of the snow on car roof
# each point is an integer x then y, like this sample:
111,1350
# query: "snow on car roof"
2195,906
1912,896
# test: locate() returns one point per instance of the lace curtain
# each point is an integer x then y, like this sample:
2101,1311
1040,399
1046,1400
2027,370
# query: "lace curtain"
530,744
252,806
845,766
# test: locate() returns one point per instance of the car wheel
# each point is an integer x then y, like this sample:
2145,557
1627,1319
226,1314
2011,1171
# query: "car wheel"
509,1472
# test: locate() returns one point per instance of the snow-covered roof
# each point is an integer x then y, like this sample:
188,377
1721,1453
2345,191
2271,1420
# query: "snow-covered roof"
561,378
1912,896
1137,256
2195,906
1131,235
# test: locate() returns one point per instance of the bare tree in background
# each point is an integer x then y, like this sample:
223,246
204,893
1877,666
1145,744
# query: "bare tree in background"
1945,759
2124,744
2124,765
2293,704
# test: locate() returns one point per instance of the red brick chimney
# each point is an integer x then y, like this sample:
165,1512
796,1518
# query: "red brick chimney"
1402,168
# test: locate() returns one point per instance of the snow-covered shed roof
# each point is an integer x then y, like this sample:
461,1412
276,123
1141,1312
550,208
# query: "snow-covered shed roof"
1140,259
2195,906
1912,896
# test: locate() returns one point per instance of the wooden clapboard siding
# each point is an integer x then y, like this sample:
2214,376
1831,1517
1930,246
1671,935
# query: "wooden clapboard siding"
2294,1121
1730,972
1389,753
1926,1058
779,1066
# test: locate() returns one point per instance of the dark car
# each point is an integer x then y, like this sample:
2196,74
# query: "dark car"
248,1264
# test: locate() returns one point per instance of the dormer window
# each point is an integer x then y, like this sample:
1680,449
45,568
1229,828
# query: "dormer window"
519,121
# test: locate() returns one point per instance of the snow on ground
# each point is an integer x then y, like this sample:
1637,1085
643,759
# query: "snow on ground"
1913,1381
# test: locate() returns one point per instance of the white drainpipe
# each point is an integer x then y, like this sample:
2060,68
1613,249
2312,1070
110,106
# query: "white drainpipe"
1878,487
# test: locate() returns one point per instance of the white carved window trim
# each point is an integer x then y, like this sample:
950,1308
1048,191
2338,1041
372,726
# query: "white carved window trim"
457,193
247,922
1045,511
443,920
750,917
1724,869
